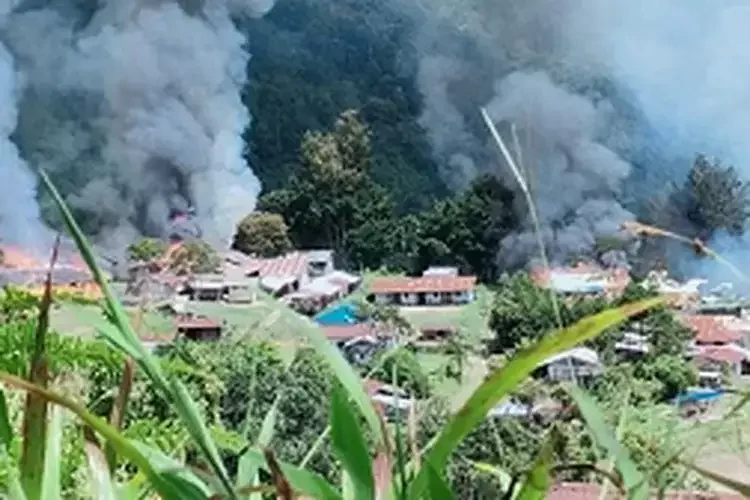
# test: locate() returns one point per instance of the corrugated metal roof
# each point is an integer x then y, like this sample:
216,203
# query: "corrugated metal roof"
711,329
423,284
292,264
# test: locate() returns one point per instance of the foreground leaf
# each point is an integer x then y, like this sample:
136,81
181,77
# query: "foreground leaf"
504,380
52,456
493,470
538,478
349,445
347,377
742,488
100,480
301,480
117,416
35,410
166,487
437,488
122,336
635,482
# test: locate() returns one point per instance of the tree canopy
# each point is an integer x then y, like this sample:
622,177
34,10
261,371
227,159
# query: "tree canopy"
263,234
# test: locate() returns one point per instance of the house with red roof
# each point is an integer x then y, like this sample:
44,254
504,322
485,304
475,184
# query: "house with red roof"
431,289
717,347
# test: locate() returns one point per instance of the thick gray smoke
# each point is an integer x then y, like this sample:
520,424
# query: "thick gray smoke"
682,65
134,106
19,214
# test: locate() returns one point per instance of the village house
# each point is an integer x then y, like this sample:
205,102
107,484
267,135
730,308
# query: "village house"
577,364
321,291
359,342
582,280
392,400
678,295
198,328
632,345
718,347
430,289
218,287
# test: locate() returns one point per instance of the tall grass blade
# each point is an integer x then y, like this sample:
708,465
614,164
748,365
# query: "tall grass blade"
437,488
98,468
123,337
52,456
165,486
505,379
538,479
493,470
35,410
349,445
247,469
119,408
635,482
283,488
347,377
742,488
302,481
192,419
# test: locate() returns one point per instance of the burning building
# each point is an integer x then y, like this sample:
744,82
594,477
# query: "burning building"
23,269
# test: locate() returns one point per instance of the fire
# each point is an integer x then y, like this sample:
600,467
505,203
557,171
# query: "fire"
16,258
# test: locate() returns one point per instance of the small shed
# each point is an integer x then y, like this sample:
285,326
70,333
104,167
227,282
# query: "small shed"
574,364
196,328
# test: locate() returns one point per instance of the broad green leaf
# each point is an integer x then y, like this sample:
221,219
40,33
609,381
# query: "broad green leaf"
302,481
100,480
347,486
635,482
505,379
52,454
437,488
739,487
347,377
538,478
167,489
349,445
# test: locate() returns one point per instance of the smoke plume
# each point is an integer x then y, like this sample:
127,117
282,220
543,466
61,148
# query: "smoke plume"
134,108
611,95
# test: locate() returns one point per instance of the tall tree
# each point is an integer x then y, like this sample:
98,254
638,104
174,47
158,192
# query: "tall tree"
262,233
332,201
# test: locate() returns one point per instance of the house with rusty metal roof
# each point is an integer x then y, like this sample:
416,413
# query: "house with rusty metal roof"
430,289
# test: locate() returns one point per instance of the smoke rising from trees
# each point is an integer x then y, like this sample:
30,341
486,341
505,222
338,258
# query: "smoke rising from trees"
569,75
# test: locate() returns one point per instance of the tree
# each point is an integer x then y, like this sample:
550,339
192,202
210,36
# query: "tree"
332,201
146,249
466,231
715,198
195,257
262,233
522,311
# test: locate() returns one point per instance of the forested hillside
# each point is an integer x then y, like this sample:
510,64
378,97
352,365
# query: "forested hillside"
312,60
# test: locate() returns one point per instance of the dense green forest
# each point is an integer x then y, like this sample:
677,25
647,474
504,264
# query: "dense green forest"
368,65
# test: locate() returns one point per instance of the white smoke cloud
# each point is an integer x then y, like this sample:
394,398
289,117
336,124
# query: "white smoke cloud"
143,105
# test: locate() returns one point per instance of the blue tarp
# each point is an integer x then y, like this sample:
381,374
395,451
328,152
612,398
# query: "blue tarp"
344,314
698,395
